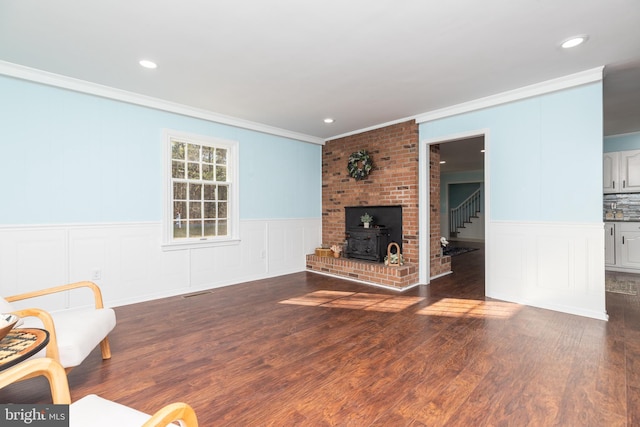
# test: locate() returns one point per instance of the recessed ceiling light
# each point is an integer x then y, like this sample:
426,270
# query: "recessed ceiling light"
329,120
148,64
482,151
574,41
442,162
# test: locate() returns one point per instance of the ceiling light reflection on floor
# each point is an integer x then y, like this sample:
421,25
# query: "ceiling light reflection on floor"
454,307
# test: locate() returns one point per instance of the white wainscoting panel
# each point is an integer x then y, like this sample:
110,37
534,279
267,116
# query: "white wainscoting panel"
31,258
222,265
128,257
289,245
556,266
134,268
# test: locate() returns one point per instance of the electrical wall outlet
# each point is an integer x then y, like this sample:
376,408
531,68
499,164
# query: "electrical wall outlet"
96,274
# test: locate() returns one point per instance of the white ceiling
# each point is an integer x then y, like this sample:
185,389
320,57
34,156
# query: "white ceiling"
291,63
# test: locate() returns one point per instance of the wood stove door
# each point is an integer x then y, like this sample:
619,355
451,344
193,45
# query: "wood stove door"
367,244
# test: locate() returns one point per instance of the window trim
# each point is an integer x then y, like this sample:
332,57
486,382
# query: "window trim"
233,174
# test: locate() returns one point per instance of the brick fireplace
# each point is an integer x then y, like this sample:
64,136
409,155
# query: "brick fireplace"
393,181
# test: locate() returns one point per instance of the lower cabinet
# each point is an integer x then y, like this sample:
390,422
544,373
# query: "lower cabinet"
622,245
609,243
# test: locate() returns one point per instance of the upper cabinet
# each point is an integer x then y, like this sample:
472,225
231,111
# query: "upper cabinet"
610,181
630,170
621,172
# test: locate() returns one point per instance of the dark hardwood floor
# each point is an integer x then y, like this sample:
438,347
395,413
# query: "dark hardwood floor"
306,349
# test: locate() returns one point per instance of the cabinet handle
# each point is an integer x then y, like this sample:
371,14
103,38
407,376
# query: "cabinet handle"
624,183
623,240
611,231
614,184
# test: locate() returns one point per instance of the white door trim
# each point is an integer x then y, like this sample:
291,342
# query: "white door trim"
424,184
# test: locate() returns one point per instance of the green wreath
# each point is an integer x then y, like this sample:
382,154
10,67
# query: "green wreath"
355,160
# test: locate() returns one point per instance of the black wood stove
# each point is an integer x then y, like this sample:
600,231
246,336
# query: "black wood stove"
367,243
371,243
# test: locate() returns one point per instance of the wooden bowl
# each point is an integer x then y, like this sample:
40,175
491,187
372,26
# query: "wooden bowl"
7,322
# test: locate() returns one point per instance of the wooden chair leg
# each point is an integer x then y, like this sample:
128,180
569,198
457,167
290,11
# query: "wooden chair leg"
105,348
47,367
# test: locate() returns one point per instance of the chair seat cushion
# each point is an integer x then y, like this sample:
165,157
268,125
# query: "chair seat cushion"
78,331
95,411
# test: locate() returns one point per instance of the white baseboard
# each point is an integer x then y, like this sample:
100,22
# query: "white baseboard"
446,273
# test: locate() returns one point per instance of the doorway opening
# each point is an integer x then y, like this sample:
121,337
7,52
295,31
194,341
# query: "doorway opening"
462,205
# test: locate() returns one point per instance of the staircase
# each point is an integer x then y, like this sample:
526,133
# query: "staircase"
464,213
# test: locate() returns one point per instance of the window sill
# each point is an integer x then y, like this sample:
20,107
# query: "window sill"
199,244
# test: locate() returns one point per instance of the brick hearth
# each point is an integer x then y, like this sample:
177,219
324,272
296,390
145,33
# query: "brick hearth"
374,273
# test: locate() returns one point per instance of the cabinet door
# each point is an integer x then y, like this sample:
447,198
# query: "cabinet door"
609,244
610,167
630,249
630,170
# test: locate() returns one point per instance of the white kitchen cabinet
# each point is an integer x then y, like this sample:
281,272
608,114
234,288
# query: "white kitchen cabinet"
622,246
629,168
609,243
629,244
610,172
621,172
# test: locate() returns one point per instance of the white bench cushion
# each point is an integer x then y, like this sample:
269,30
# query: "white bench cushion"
78,331
94,411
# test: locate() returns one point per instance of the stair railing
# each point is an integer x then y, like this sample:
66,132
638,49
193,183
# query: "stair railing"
463,213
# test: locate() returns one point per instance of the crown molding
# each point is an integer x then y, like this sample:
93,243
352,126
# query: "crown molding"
82,86
620,135
374,127
542,88
572,80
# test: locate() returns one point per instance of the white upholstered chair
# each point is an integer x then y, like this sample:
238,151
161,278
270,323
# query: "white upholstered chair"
73,333
93,410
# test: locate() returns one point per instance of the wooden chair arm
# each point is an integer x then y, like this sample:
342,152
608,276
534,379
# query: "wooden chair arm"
97,294
46,367
179,411
47,323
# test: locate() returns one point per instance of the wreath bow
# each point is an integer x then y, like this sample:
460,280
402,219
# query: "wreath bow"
355,160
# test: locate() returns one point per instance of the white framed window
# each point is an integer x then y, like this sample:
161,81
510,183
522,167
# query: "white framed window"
200,191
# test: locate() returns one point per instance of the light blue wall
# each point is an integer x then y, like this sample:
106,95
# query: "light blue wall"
455,178
69,157
545,154
458,193
629,141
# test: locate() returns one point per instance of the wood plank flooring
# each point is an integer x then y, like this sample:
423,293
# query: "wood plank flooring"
286,352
